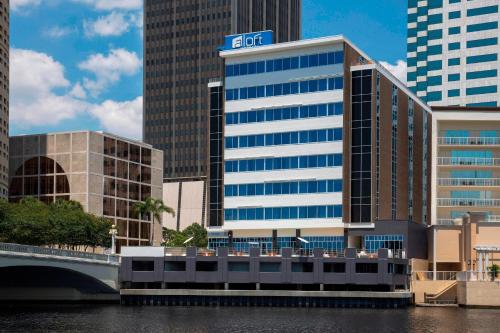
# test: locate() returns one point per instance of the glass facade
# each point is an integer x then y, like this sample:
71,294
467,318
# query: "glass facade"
216,165
361,133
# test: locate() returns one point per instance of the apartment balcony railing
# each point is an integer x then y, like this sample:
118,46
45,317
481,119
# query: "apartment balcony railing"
492,218
465,161
449,222
485,182
469,141
462,202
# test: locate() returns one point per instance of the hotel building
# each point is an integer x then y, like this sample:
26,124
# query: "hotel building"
107,174
181,38
321,147
453,51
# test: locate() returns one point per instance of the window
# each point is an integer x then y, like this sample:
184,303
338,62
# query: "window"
482,74
481,90
454,15
454,62
334,267
482,58
143,265
365,268
482,26
482,42
206,266
270,267
482,10
302,267
175,266
236,266
453,77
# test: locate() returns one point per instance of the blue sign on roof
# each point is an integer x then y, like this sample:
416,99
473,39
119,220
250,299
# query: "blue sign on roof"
252,39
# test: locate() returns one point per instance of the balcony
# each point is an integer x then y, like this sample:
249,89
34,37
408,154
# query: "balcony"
466,161
469,141
482,182
459,202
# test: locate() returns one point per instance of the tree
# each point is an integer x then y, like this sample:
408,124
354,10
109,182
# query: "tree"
153,208
175,238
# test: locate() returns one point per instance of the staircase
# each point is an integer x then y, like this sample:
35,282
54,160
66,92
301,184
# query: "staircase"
445,296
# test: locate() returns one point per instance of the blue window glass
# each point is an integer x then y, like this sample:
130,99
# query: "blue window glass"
482,42
313,60
454,15
482,74
434,80
435,19
454,62
454,31
431,50
482,10
482,58
434,65
453,77
454,93
294,63
482,26
454,46
269,66
434,34
434,96
304,61
481,90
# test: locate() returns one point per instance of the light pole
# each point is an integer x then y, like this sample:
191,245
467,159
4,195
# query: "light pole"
113,233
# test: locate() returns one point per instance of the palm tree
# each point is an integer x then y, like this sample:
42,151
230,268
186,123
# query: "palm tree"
153,208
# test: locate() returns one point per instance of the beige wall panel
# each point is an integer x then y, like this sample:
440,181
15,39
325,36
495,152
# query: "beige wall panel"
96,141
95,204
30,145
191,203
78,183
64,161
81,198
63,143
171,199
488,235
78,162
16,146
79,141
449,245
96,163
96,184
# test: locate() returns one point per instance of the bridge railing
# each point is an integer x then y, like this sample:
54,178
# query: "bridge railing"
8,247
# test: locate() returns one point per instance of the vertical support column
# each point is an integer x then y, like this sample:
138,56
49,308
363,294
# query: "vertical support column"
434,258
480,265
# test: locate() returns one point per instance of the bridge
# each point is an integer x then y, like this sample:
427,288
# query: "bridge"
45,274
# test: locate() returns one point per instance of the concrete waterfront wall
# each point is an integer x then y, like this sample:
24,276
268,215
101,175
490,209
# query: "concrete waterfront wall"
479,293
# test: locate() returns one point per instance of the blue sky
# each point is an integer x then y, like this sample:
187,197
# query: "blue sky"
77,64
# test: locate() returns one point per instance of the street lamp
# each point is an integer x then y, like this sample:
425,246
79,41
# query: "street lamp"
113,233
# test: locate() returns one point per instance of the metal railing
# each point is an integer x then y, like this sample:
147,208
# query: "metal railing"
449,222
464,202
469,182
493,218
333,254
429,275
28,249
175,251
466,161
469,141
476,276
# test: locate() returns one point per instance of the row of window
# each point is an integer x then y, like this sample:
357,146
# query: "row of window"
438,19
294,187
243,244
438,95
283,213
277,114
284,163
422,41
283,89
287,138
434,4
283,64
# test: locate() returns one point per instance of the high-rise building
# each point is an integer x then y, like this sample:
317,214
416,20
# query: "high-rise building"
4,98
453,51
322,148
182,38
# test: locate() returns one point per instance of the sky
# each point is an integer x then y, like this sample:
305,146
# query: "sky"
77,64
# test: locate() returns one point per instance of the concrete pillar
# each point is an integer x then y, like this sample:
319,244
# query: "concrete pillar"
226,286
487,265
321,287
434,259
480,265
257,286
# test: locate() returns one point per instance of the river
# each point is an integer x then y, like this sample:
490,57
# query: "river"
116,318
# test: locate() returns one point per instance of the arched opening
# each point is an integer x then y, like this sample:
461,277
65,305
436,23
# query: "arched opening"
40,177
50,278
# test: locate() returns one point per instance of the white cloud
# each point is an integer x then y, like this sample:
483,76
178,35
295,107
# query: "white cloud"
122,118
59,32
112,4
42,96
398,70
113,24
34,78
18,4
109,69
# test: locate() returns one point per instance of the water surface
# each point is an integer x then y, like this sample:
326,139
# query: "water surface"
115,318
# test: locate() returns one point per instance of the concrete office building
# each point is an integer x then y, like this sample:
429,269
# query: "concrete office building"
181,39
4,98
107,174
322,145
453,51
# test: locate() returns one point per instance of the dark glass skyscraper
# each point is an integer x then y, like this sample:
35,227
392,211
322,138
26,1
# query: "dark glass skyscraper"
181,55
4,98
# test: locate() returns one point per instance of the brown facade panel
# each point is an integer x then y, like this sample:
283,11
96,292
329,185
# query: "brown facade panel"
385,149
418,163
402,157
